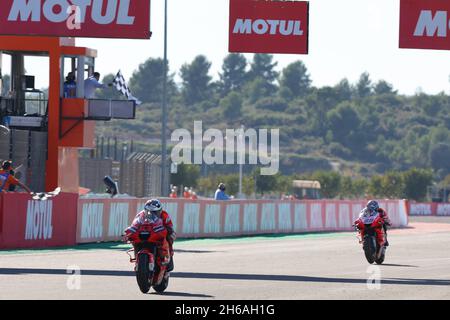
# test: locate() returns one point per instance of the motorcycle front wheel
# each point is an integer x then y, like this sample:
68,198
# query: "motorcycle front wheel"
370,248
143,273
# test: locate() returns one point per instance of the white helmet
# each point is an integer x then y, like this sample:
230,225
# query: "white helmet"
153,206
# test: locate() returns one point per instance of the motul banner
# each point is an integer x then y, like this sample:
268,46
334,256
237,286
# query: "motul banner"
261,26
424,24
106,219
27,223
76,18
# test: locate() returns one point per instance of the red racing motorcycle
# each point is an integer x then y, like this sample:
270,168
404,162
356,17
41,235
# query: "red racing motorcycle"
150,265
372,236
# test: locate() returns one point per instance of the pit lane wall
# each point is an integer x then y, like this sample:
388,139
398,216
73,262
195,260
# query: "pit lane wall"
27,223
105,219
67,219
428,209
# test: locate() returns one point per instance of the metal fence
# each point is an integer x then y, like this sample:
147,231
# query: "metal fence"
139,175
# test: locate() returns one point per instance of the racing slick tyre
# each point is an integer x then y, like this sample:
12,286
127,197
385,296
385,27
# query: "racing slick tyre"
163,285
143,273
369,249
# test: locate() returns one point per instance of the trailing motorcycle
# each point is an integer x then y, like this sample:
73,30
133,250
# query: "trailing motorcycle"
372,236
150,265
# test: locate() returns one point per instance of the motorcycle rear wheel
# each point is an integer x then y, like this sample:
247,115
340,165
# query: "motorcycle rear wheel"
143,274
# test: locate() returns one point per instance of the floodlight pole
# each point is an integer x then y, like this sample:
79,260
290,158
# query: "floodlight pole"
164,171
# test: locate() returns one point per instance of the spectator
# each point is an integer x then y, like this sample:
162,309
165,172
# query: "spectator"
173,193
220,193
7,179
186,193
91,84
194,196
70,86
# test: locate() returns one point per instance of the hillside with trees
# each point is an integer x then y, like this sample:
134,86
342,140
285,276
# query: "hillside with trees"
362,130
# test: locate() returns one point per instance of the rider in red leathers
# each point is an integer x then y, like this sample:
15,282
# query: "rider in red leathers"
373,207
160,221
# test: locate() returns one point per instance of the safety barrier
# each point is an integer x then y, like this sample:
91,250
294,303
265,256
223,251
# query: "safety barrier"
428,209
27,223
105,219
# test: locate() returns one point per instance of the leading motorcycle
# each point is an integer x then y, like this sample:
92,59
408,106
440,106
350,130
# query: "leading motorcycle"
150,266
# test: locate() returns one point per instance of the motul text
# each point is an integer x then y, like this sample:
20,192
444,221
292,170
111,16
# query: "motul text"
425,24
116,11
273,27
76,18
39,220
260,26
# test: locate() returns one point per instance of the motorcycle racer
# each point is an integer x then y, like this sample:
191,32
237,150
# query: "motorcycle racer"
373,208
160,221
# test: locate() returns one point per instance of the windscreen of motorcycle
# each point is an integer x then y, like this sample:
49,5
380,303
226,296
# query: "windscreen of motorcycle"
369,217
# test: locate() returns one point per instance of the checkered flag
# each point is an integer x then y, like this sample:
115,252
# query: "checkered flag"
121,86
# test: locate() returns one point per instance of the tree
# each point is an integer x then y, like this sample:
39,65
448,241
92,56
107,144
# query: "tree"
264,184
330,183
196,81
231,105
392,185
343,120
440,155
187,175
416,183
364,85
343,90
262,68
146,83
383,87
375,188
296,79
258,89
234,73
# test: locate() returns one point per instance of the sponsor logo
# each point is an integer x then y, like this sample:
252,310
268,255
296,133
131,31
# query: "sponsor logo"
268,26
432,25
39,220
92,221
443,210
421,209
273,27
424,24
118,219
57,11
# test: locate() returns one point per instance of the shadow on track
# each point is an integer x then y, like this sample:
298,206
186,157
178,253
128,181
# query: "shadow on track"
181,294
398,265
231,276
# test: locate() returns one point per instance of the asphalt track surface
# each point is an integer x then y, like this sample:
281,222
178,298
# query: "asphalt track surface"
311,266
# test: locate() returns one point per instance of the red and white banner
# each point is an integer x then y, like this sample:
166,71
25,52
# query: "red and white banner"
260,26
27,223
76,18
106,219
424,24
429,209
